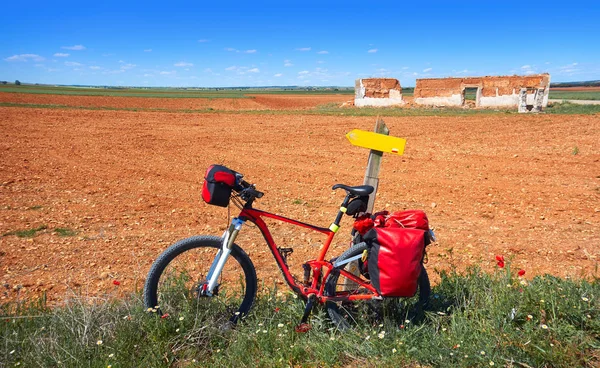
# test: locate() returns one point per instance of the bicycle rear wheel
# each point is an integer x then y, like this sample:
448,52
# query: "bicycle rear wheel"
345,314
176,278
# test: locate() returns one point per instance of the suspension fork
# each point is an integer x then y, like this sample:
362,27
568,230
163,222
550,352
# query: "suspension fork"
219,262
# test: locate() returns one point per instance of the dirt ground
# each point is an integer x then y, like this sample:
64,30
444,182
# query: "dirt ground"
255,102
128,183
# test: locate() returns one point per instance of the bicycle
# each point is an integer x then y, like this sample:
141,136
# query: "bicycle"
175,277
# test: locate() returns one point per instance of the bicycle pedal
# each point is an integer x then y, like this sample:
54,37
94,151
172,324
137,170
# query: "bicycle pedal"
303,328
285,251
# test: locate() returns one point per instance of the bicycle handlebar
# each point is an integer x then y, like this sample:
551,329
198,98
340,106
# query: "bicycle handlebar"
247,191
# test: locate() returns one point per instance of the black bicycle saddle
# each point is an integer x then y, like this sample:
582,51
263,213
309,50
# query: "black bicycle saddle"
359,191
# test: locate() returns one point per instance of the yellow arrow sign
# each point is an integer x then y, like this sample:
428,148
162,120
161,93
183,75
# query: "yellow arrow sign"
377,142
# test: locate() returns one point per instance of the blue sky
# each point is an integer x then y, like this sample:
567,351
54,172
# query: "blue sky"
257,43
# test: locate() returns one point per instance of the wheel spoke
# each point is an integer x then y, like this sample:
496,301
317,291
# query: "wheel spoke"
176,278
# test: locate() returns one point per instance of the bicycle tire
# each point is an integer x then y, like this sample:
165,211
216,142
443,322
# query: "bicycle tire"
337,317
171,288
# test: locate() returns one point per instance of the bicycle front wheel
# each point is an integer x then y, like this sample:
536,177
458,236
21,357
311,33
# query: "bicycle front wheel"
176,279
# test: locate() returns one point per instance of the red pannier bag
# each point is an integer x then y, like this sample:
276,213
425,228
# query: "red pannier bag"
218,183
395,260
410,219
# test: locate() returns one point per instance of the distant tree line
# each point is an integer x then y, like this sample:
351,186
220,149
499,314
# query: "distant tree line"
595,83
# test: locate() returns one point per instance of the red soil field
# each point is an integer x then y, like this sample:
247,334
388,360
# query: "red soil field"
129,184
255,102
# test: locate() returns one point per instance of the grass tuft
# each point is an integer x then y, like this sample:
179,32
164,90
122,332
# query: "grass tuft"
65,231
26,233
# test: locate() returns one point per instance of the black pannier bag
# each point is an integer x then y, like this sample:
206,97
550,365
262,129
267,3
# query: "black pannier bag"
218,183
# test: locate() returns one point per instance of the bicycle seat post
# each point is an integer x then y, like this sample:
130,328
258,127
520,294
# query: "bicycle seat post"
335,226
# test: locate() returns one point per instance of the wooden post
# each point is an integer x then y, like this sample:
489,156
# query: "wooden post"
371,178
373,165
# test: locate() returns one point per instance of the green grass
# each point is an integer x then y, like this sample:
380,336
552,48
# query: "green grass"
569,108
475,319
333,109
326,110
581,95
60,231
26,233
165,92
124,92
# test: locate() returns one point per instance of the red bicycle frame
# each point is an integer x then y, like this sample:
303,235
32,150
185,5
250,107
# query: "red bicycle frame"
320,268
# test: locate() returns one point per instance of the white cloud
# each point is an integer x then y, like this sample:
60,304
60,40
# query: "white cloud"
95,67
569,69
303,49
25,57
287,63
278,75
148,50
203,41
233,67
323,52
208,70
148,75
372,51
524,67
254,70
303,72
60,54
128,66
231,49
427,70
250,51
72,63
168,73
404,67
74,48
530,72
183,64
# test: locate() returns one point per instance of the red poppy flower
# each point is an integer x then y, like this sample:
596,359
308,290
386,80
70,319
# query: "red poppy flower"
276,309
402,326
166,315
521,272
500,258
501,264
303,328
116,282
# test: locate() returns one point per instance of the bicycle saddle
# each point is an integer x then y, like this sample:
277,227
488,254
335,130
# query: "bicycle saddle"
359,191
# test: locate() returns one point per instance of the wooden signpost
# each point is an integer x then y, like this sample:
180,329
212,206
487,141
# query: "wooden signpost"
378,142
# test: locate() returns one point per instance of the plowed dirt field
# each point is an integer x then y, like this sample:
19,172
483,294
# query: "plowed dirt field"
257,102
128,185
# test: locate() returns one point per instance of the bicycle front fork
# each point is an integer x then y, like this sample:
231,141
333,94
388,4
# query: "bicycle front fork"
219,262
